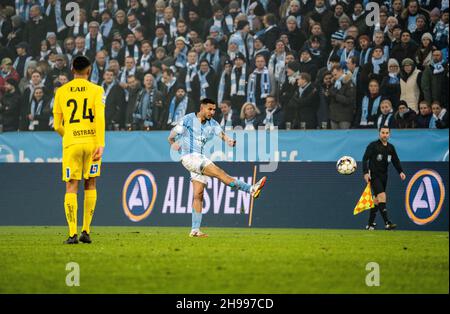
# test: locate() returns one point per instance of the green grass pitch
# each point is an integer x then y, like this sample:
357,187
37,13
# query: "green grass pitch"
238,261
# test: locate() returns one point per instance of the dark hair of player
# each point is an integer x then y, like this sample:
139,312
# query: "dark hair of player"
207,101
80,64
384,127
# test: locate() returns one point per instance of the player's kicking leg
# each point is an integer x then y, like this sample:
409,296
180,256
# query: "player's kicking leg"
197,207
90,200
212,170
71,208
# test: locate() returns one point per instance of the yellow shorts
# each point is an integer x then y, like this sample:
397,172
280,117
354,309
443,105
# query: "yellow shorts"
78,163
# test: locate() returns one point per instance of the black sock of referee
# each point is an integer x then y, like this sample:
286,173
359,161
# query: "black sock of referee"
383,211
373,215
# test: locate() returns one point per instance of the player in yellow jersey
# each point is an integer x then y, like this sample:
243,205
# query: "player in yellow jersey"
79,117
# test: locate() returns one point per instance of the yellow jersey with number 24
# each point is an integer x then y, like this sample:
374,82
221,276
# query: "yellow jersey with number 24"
82,105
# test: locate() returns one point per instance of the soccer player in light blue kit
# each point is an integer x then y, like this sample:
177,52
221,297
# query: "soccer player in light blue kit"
195,130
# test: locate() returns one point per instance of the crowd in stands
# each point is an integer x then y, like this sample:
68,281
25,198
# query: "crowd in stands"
298,64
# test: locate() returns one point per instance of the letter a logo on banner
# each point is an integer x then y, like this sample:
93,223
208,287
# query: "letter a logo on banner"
139,195
425,196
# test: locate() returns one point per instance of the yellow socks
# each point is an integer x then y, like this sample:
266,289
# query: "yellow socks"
90,199
71,207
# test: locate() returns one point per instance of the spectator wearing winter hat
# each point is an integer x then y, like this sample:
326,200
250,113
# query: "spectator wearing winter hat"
405,118
435,79
410,79
424,53
337,40
390,85
10,106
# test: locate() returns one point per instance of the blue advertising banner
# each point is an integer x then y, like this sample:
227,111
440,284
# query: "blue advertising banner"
313,146
297,195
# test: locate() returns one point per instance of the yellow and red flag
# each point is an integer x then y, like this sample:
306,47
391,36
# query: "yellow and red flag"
365,202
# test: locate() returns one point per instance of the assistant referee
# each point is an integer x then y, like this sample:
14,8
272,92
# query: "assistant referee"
376,161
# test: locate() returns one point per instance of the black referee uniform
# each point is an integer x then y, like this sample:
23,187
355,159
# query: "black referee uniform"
376,160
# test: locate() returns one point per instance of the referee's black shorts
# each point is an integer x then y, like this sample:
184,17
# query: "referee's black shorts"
378,185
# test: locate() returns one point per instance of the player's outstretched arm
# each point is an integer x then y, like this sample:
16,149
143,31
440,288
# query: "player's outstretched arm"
231,142
171,139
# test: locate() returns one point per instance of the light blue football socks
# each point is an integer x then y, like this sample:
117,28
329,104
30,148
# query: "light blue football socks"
196,220
241,186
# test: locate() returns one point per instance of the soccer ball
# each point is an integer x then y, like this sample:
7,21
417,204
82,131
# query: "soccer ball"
346,165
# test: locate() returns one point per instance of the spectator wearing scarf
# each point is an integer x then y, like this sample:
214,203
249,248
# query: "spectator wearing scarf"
131,48
145,116
205,83
180,106
370,107
259,85
225,83
161,39
146,58
115,100
94,40
390,85
39,111
277,63
348,51
238,82
181,51
386,117
213,55
107,24
274,115
55,17
375,69
250,116
434,81
243,39
439,120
